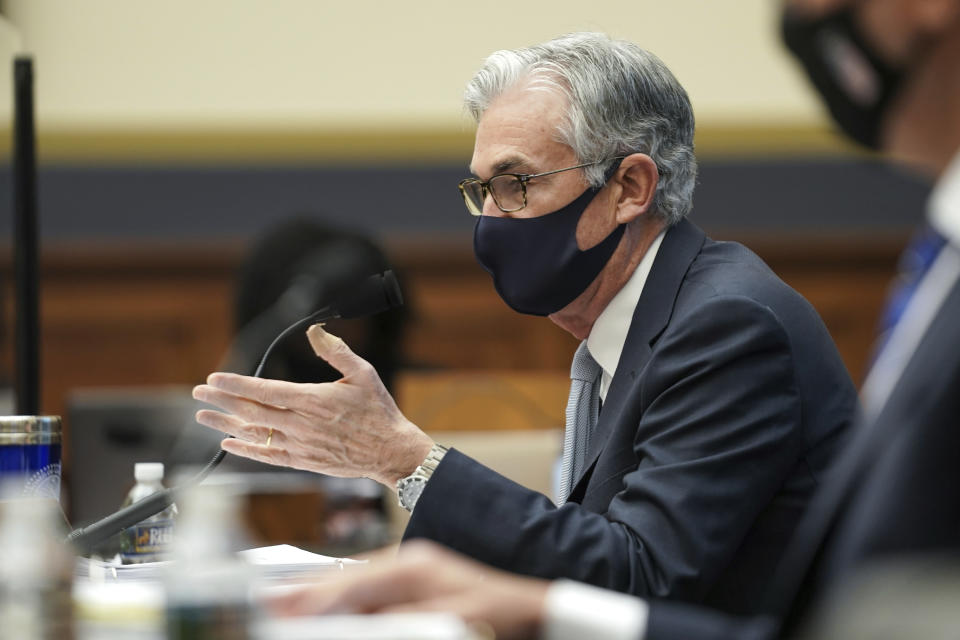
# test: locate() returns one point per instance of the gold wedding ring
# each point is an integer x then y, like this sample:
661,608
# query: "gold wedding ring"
269,436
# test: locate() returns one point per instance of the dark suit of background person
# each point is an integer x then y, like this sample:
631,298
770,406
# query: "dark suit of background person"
896,490
726,407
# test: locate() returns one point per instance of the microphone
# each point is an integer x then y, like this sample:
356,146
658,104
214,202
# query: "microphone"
376,294
373,295
327,273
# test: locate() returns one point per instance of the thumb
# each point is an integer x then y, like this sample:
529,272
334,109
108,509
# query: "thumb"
335,351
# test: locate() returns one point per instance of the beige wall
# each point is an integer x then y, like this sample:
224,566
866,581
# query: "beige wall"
270,62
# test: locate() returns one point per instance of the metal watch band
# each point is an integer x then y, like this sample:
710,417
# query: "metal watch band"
432,461
410,488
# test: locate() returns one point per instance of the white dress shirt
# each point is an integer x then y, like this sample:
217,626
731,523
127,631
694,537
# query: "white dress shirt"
609,332
576,611
573,610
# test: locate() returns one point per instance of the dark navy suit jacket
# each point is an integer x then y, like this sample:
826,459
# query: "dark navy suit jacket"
895,490
726,407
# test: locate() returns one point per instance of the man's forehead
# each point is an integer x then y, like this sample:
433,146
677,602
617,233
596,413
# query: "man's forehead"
517,130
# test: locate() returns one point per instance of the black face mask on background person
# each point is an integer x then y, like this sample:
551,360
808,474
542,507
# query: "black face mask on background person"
536,265
854,81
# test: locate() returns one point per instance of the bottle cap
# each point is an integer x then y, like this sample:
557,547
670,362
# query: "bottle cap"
148,471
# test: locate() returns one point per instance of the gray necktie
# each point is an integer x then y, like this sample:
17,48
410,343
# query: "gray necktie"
583,408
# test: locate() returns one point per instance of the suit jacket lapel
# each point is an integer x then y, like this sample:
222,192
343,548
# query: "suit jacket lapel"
680,246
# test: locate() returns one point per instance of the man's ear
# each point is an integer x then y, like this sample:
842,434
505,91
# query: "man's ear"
638,178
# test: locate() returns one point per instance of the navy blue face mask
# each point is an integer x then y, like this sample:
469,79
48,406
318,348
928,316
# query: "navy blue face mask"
536,265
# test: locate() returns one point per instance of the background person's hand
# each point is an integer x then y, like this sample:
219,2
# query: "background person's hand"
426,577
348,428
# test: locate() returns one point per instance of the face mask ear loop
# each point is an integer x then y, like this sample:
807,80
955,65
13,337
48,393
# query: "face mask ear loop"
609,173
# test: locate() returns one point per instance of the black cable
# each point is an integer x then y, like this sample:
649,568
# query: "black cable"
326,313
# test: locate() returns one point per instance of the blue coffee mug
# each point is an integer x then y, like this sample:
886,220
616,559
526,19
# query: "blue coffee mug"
30,455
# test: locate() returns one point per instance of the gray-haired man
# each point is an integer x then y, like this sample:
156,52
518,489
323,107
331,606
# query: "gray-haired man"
708,397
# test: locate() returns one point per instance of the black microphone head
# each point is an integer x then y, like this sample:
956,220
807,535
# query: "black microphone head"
298,265
392,288
374,295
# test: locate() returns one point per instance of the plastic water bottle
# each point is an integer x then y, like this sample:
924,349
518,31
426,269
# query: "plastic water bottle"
36,570
152,539
207,585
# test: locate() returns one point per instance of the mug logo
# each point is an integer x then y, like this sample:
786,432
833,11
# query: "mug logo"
44,483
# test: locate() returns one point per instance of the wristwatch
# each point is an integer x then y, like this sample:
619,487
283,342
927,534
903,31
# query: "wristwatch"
410,488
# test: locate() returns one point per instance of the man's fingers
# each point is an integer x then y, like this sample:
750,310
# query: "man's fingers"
477,610
276,393
336,352
457,603
306,601
251,410
359,593
361,590
232,425
504,614
256,451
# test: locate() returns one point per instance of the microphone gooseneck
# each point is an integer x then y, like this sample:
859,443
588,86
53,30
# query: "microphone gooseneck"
374,295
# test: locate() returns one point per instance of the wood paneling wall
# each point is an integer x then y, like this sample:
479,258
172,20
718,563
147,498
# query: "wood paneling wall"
142,314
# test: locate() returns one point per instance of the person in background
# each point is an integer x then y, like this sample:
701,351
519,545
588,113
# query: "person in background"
886,519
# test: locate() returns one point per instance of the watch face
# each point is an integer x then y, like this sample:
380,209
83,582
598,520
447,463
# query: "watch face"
410,491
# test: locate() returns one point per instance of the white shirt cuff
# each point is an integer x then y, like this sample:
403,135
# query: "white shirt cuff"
575,611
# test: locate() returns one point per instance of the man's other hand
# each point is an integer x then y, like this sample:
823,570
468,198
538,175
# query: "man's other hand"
425,577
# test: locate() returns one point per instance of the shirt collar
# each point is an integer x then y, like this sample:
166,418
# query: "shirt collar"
609,332
944,207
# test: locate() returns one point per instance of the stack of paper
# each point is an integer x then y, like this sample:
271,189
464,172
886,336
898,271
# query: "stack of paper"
107,571
277,562
285,561
396,626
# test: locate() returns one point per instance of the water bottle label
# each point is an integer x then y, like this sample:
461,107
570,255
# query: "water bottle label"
151,538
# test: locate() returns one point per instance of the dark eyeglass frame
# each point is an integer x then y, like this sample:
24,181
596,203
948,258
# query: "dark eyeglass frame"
522,178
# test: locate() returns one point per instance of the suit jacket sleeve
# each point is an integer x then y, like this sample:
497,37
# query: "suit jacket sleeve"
674,620
717,431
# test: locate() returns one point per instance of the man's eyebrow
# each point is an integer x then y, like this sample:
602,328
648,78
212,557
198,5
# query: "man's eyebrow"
504,166
507,165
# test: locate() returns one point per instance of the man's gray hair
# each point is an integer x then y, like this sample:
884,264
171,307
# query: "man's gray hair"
621,99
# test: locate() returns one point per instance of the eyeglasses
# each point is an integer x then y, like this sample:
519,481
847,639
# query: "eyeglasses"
508,190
